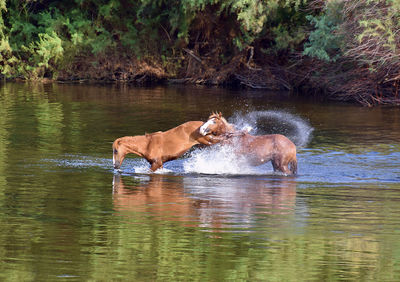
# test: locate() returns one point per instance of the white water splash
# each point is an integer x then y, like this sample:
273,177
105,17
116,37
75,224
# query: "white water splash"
141,166
297,129
222,159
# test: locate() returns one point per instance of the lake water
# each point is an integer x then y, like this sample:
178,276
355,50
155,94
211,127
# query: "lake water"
66,215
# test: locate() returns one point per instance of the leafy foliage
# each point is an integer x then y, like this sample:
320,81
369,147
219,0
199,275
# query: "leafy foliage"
41,38
362,36
38,37
325,41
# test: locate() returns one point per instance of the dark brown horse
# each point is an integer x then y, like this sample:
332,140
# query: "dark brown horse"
258,149
160,147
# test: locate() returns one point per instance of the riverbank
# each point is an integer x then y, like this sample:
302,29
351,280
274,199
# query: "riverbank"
242,71
337,50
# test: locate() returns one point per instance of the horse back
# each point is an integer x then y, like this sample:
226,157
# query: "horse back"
187,126
187,132
269,144
173,143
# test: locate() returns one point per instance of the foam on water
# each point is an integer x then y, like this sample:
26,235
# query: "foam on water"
81,162
141,166
220,159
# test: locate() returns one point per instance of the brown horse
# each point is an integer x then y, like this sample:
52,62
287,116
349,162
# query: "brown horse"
258,149
160,147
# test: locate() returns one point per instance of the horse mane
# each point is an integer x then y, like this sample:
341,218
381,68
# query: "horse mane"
215,115
221,118
218,116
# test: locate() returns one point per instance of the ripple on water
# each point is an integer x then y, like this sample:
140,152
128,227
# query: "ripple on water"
315,165
341,167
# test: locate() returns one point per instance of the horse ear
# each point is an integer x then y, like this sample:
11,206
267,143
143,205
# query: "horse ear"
220,114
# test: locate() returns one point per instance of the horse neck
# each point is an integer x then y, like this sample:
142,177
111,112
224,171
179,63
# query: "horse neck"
135,144
191,129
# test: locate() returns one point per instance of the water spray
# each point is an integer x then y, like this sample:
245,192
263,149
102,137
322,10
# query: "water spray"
222,159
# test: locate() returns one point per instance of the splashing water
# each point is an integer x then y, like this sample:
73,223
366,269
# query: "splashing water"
217,159
293,127
222,159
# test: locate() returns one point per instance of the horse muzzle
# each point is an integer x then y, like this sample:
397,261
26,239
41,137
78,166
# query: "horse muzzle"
116,163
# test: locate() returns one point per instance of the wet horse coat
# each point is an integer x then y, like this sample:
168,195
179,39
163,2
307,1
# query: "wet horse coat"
160,147
258,149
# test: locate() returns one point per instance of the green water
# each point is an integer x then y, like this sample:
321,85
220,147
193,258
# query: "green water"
66,215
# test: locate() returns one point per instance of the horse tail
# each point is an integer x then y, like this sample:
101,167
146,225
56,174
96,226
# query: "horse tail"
293,166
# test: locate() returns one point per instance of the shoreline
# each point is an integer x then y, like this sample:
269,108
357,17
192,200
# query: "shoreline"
359,87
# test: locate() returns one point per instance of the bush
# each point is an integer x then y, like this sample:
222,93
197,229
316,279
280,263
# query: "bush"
362,36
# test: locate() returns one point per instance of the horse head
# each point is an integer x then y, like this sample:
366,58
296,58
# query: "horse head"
119,152
216,125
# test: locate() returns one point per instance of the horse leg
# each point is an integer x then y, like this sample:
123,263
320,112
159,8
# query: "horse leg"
285,169
156,164
279,165
285,166
293,166
274,165
289,161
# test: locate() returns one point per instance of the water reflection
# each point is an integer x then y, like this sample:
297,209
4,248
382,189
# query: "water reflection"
337,220
156,195
213,203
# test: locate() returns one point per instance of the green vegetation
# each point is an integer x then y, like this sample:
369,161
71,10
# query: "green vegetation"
324,42
348,50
